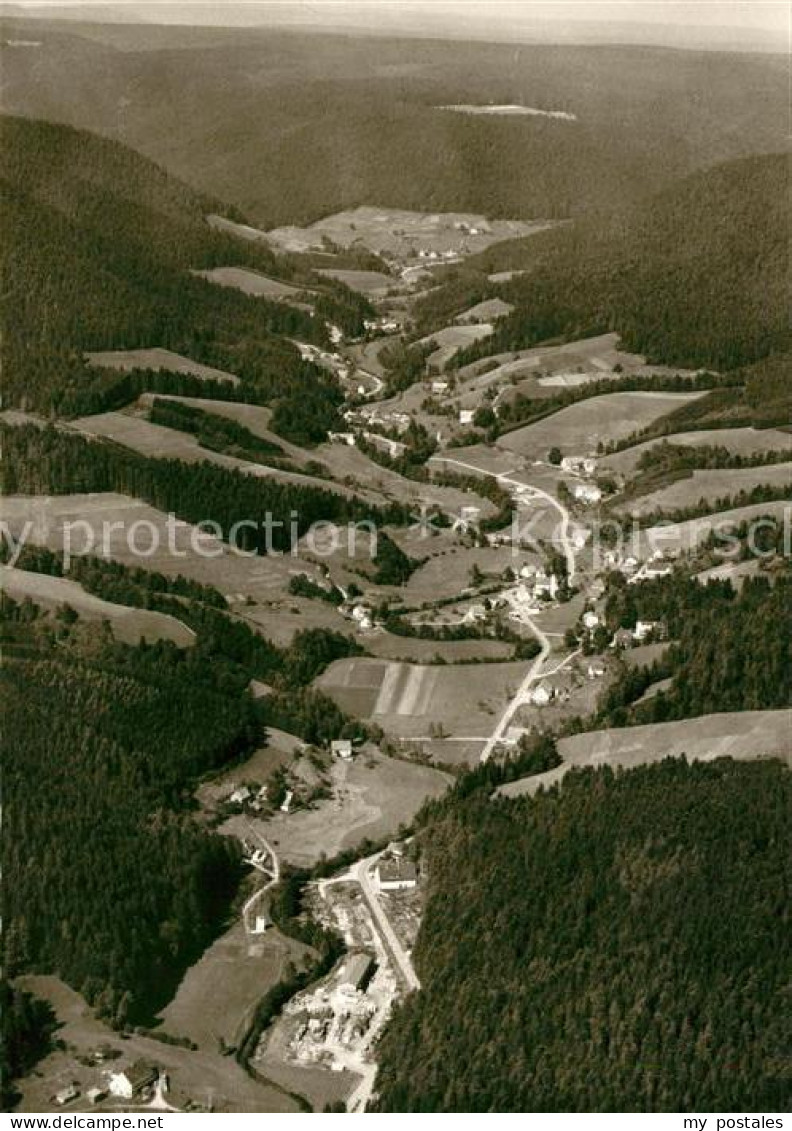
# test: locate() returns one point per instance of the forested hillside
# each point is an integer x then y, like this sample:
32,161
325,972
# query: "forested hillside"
26,1027
730,651
52,461
695,277
109,882
292,126
613,945
99,245
758,396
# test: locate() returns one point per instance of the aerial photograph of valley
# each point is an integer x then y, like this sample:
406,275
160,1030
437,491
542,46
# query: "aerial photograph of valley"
396,561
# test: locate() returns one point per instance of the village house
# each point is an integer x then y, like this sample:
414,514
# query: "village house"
131,1081
468,516
579,465
67,1095
347,438
355,971
541,695
644,629
466,415
622,638
649,571
240,795
395,874
475,614
590,620
261,923
362,616
342,748
587,493
545,585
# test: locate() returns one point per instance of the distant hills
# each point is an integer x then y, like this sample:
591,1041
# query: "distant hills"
291,126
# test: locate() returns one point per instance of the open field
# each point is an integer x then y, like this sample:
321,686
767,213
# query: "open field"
542,371
158,442
741,441
201,1077
250,282
372,796
214,1003
735,572
367,282
256,418
710,486
511,111
349,466
447,574
447,752
406,700
744,735
366,355
103,525
485,311
683,536
158,359
414,650
597,356
466,461
232,228
578,429
645,654
403,234
453,338
128,625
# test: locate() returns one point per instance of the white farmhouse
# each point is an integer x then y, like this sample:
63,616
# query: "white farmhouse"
342,748
396,874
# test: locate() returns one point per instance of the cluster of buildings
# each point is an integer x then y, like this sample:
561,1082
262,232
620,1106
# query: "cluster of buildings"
370,416
135,1082
658,565
336,1016
645,631
360,613
579,465
586,493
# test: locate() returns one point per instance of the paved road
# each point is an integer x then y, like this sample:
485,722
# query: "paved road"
521,695
505,477
274,877
360,872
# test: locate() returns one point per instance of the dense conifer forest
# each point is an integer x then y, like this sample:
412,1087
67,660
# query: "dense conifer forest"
123,888
109,881
26,1028
99,249
615,944
730,650
694,277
